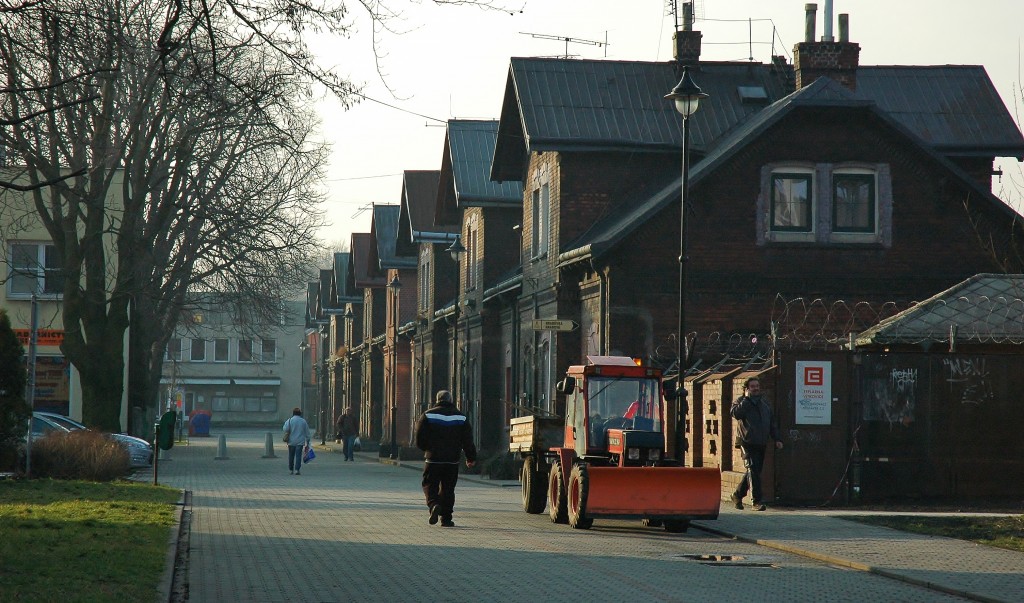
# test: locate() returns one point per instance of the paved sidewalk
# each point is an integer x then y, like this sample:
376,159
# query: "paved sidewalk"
257,528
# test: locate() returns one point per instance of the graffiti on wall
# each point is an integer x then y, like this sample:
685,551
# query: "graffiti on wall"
890,393
968,379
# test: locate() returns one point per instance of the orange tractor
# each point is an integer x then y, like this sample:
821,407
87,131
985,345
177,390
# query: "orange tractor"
608,458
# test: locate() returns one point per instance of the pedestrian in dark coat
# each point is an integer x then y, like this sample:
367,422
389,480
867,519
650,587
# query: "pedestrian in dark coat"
755,428
443,433
348,429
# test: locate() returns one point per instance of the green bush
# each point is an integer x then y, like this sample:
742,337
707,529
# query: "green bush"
81,454
14,411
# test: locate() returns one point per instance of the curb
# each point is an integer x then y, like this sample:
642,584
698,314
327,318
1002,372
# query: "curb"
173,586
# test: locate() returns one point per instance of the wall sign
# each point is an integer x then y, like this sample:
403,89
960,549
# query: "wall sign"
813,393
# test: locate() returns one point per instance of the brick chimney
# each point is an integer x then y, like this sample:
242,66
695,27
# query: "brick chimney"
837,60
686,42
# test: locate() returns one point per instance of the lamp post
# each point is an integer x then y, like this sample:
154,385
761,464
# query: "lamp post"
322,384
394,286
346,369
303,347
457,251
687,96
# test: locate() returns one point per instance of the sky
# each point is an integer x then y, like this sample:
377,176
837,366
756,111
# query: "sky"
444,62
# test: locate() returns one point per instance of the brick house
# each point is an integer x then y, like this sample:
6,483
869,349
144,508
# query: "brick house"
489,214
422,237
399,300
854,185
365,357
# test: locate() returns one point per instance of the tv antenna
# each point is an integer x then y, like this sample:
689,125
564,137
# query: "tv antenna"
569,40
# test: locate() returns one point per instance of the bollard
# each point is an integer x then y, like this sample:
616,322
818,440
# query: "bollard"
222,449
268,447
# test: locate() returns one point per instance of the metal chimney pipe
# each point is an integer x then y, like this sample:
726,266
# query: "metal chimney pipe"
811,12
828,23
844,28
687,16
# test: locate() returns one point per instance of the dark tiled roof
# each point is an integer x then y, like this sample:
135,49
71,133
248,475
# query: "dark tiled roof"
416,220
559,104
312,295
955,108
384,232
823,92
572,105
986,308
465,171
362,276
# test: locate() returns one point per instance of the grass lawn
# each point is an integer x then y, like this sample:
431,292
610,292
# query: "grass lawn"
83,541
1002,532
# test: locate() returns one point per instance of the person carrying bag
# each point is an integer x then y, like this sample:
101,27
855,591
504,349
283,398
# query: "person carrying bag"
297,435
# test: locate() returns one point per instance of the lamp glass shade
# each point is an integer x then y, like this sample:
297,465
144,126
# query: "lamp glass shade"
457,250
687,106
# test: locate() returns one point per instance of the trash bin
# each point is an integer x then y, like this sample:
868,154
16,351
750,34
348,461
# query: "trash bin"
199,423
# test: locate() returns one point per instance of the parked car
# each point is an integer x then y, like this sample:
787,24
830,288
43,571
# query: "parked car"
140,451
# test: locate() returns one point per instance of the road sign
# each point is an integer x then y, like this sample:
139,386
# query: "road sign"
554,325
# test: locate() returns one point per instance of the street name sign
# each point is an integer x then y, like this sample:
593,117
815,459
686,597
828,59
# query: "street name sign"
554,325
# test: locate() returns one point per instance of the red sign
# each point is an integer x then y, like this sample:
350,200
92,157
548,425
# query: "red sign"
48,337
814,375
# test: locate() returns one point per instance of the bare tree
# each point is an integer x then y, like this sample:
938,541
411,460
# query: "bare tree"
193,171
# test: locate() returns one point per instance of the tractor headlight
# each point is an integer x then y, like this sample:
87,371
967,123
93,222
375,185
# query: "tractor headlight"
633,454
653,454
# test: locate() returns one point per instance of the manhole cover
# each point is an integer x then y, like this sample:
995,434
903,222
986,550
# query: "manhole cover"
728,560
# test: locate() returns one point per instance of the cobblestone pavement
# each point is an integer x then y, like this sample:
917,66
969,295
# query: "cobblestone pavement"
348,531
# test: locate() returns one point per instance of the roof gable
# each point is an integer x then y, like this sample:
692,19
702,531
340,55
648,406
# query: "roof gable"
465,171
362,276
384,234
416,220
342,289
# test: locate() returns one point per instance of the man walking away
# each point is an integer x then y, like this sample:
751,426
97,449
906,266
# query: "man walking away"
348,429
298,438
442,433
755,427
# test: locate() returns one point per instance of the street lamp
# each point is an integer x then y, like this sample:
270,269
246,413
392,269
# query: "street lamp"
349,316
303,346
457,251
395,286
322,376
687,96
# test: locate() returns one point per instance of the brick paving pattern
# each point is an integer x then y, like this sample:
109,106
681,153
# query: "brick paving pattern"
345,531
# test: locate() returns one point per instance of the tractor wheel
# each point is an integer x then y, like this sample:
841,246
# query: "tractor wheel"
676,526
533,482
556,495
579,482
647,522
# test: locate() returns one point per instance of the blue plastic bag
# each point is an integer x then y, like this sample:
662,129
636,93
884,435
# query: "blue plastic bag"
308,454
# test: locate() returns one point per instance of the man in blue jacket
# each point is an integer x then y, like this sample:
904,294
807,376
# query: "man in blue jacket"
443,433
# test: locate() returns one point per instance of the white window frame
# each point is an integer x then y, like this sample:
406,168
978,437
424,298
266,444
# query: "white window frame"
174,349
242,344
192,350
38,271
227,349
263,351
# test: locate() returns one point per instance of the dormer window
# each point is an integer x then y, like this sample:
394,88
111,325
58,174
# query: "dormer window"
825,203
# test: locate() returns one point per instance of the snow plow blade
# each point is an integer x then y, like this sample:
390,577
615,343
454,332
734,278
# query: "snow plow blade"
655,492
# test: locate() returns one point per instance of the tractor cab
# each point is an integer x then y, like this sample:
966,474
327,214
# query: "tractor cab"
614,411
